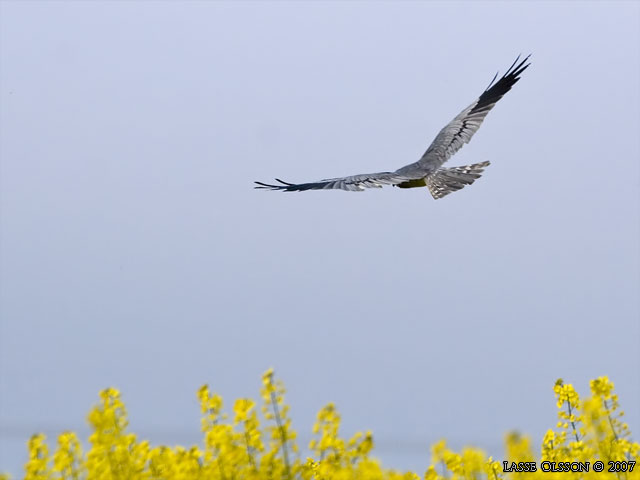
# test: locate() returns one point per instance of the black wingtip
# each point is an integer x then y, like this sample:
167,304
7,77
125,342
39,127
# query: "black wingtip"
513,64
521,67
267,186
513,72
285,187
283,182
492,80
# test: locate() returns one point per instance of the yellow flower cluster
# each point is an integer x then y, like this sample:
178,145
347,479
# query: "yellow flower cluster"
591,429
243,448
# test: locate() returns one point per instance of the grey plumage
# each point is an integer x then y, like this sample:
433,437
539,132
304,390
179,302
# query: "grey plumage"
427,171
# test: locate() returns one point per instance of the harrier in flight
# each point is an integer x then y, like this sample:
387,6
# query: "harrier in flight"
428,171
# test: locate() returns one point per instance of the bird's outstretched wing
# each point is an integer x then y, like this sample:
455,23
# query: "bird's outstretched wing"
460,130
354,183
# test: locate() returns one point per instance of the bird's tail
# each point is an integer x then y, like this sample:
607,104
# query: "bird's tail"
447,180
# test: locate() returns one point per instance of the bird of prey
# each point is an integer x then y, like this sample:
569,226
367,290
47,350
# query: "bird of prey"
428,171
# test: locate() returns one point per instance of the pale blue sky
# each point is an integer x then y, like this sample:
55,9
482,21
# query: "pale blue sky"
135,253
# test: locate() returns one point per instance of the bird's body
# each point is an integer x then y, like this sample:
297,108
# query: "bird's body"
428,171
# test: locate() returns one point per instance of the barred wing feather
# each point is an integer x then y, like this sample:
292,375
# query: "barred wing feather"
353,183
460,130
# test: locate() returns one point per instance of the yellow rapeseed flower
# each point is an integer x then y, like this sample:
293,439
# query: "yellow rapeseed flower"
67,460
37,467
589,430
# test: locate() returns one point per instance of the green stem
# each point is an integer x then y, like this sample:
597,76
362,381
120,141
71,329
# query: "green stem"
606,408
283,434
246,441
573,425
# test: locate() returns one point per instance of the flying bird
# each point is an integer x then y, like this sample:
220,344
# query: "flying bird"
428,171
